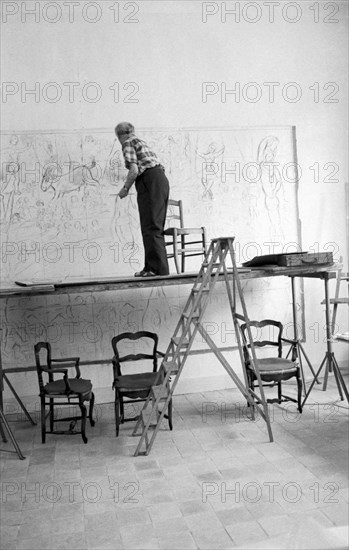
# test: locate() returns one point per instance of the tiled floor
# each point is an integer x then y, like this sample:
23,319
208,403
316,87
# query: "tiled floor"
215,481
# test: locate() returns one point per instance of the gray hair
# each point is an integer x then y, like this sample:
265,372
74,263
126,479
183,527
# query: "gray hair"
124,128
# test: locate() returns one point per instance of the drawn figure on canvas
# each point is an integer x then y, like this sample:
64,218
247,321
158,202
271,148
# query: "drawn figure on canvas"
158,312
114,169
252,193
7,195
45,217
10,178
130,317
124,227
271,180
75,178
210,167
11,167
172,148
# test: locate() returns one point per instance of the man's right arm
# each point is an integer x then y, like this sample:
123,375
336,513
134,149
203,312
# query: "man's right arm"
130,179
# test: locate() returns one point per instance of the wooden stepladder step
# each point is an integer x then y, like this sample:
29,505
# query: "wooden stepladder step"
214,268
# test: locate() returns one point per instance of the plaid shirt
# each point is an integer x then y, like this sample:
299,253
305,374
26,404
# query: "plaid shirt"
136,151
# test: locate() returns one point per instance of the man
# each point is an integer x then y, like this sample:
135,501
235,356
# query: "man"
152,188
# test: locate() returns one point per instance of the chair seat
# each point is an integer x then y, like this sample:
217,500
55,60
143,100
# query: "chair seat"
276,365
79,386
135,382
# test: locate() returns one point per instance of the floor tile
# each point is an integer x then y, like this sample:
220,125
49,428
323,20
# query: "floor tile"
215,481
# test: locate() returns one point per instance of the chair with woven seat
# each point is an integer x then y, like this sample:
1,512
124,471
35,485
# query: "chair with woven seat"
64,391
273,370
183,241
142,368
340,298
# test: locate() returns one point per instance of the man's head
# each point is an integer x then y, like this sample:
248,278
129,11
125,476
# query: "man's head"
123,130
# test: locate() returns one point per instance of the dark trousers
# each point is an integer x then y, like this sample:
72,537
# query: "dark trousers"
152,197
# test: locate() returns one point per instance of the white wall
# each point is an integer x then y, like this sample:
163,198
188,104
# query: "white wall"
165,56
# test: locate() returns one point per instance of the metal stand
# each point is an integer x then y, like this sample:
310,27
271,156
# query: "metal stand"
4,377
18,399
3,422
296,346
329,360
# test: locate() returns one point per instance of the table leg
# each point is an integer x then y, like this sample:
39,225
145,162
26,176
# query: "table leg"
328,335
297,346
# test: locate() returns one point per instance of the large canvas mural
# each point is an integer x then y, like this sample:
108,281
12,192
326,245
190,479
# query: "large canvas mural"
61,220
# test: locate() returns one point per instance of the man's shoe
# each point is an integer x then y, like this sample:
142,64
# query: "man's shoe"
140,273
145,273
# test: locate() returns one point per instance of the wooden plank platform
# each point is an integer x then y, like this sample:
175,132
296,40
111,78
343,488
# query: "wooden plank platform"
100,284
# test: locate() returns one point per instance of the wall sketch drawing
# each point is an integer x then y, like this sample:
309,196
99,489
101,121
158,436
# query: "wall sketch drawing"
208,162
271,181
61,219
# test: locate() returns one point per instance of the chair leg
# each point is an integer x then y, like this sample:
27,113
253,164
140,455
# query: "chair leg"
52,413
250,380
122,415
175,257
253,406
183,253
250,384
117,412
279,392
43,422
169,412
2,433
299,393
175,252
90,413
83,421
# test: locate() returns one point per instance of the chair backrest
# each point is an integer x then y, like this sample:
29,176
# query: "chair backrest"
174,216
40,366
122,342
267,337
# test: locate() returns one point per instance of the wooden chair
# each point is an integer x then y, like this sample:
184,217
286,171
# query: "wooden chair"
273,370
62,392
183,241
135,386
339,298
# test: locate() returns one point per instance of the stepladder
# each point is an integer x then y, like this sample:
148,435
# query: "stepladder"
219,266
